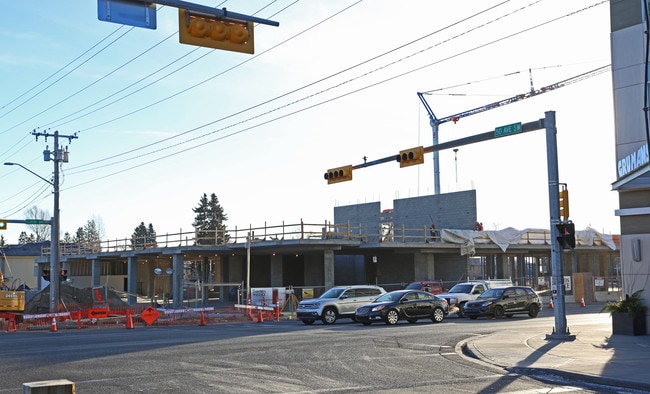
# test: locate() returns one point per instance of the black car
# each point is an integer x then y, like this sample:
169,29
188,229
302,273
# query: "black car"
505,301
409,305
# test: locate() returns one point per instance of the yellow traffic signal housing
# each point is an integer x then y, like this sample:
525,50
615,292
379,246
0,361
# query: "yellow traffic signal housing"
409,157
3,224
340,174
206,31
564,202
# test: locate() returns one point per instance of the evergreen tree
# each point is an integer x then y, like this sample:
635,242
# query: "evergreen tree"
143,235
24,239
209,221
88,236
2,240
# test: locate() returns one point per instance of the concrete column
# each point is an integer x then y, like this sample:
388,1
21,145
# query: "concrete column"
132,280
276,271
177,281
328,268
423,266
96,272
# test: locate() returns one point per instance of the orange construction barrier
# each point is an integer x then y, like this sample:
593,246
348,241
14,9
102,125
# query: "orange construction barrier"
11,323
202,322
260,319
582,302
54,329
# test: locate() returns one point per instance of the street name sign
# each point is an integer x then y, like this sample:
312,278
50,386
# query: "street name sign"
509,129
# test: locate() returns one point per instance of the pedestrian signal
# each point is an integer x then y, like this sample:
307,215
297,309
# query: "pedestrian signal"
566,235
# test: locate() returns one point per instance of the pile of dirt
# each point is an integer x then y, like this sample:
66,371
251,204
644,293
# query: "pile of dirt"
72,298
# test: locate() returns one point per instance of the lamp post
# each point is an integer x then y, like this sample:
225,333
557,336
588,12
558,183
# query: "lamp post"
54,238
159,272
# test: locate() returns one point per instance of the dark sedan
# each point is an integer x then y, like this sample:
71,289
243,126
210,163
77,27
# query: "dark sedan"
505,301
409,305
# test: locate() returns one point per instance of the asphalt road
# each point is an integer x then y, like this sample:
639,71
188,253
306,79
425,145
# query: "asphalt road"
274,357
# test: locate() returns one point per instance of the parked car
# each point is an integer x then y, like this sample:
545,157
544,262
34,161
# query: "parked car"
430,286
505,301
337,303
409,305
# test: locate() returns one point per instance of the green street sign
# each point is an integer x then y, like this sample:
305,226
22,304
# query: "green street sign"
34,221
509,129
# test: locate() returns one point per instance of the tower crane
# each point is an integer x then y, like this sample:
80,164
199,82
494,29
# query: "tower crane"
436,122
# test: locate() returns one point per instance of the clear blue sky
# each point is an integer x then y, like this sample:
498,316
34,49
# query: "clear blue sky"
159,123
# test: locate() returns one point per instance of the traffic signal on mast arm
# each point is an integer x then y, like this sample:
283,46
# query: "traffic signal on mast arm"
564,202
3,224
566,235
340,174
208,31
409,157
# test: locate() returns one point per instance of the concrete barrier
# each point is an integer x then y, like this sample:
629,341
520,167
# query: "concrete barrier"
59,386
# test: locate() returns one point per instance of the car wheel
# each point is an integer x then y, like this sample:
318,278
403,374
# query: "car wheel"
438,315
392,317
366,323
461,310
533,310
498,312
412,321
308,322
329,316
473,317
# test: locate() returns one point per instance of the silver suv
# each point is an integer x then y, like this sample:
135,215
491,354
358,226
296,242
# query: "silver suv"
337,302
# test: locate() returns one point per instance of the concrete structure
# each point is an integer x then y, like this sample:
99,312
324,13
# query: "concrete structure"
366,244
630,72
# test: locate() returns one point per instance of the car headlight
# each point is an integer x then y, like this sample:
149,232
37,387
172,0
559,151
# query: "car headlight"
377,308
486,304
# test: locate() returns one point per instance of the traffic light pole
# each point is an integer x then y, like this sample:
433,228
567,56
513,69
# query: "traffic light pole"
560,331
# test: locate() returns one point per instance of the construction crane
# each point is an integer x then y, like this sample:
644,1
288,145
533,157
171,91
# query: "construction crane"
436,122
344,173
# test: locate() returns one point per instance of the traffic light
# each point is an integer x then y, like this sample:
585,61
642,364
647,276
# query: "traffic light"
46,275
564,202
566,235
341,174
3,224
64,275
208,31
409,157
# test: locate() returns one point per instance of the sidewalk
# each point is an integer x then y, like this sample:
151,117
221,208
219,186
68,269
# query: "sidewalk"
595,355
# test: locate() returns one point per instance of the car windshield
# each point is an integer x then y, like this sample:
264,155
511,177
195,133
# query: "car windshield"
332,293
463,288
492,293
388,297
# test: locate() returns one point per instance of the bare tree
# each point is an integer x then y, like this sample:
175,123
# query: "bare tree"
42,232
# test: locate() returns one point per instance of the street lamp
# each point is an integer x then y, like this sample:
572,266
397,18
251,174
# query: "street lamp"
54,238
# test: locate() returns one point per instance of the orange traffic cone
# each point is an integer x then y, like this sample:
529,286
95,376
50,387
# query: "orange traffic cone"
54,324
129,320
582,302
260,319
550,304
202,322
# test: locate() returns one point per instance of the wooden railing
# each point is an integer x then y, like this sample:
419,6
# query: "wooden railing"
282,232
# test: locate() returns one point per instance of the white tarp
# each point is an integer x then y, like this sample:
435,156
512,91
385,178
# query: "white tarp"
467,239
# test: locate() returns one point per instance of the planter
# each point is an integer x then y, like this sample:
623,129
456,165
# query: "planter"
625,324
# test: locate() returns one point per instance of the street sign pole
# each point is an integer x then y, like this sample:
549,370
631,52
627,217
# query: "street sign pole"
560,331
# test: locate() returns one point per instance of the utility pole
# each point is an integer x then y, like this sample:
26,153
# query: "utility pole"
58,156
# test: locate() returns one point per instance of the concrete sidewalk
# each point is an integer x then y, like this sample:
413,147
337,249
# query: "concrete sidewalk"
595,355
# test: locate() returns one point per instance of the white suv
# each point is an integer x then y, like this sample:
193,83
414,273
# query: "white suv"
337,302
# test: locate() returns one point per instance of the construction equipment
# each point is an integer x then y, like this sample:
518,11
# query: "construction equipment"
11,300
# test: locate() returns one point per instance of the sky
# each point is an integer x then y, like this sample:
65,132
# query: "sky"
159,123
